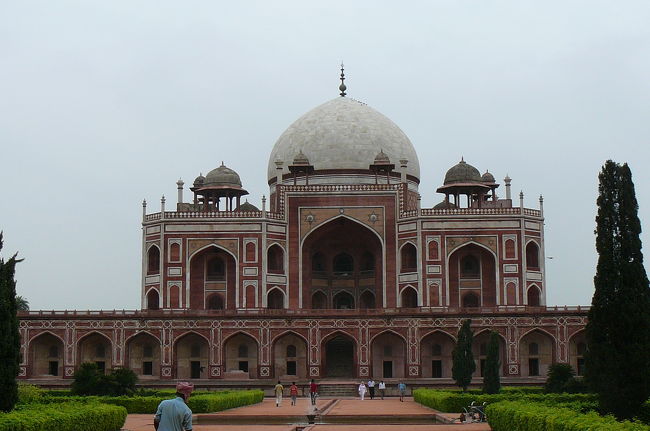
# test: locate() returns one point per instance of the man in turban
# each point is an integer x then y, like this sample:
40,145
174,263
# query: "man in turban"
175,415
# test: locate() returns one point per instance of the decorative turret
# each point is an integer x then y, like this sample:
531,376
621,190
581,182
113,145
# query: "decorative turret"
381,166
464,179
221,182
301,166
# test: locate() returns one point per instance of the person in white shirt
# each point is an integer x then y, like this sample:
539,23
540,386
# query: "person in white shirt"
371,388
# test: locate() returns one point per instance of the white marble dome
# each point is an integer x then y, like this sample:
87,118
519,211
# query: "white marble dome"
343,134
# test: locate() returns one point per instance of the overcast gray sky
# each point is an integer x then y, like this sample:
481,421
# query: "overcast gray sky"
104,103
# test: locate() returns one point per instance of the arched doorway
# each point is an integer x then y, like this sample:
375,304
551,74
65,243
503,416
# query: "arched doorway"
339,357
153,300
275,299
472,277
388,356
436,355
143,356
536,353
409,298
533,296
240,353
290,357
343,301
191,357
212,271
342,255
96,348
46,356
479,350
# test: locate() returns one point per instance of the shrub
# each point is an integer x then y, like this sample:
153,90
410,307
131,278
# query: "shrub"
28,394
64,417
89,380
526,416
559,375
454,402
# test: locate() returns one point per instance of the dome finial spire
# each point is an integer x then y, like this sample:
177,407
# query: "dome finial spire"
342,87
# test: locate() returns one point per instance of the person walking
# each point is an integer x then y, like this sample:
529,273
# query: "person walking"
278,394
402,390
371,388
293,391
362,390
175,415
313,392
382,389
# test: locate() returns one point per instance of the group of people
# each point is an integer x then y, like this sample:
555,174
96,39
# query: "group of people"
370,388
293,393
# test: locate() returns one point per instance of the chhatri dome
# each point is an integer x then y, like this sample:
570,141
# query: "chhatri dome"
343,134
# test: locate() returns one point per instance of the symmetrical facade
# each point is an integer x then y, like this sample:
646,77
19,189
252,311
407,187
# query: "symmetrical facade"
343,276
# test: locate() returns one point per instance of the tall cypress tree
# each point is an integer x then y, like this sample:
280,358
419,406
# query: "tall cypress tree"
463,360
9,336
491,377
618,331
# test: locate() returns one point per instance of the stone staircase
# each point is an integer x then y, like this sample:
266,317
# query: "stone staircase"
337,390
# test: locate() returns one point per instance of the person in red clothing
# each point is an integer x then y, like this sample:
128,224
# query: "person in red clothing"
293,391
313,392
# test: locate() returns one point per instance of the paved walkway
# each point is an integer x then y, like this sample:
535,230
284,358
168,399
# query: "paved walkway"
340,414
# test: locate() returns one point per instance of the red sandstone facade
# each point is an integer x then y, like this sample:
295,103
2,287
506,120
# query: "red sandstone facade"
344,276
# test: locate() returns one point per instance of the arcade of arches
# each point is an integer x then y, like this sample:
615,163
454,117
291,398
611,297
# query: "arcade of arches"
339,355
342,266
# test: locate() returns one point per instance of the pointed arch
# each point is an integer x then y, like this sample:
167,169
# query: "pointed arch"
532,255
388,355
343,300
438,331
409,297
408,257
199,284
215,302
153,299
536,352
339,354
191,352
153,259
484,285
534,296
275,254
436,349
46,353
284,364
275,299
367,300
95,347
318,300
240,353
479,349
143,354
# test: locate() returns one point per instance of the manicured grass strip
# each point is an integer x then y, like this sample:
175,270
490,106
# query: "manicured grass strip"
526,416
453,402
206,402
64,417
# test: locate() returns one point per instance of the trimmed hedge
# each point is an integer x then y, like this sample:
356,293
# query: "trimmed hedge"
202,402
526,416
64,417
453,402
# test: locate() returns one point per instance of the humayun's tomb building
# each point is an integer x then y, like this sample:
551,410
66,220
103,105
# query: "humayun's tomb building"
343,275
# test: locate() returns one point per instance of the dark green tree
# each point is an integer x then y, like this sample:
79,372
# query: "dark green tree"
9,335
463,360
618,331
491,377
558,377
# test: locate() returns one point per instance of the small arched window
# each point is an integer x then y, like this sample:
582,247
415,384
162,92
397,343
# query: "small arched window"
242,351
318,301
367,300
275,299
250,252
153,300
409,298
533,349
532,256
533,296
291,351
343,264
153,260
470,267
433,250
510,249
275,259
409,258
174,252
215,269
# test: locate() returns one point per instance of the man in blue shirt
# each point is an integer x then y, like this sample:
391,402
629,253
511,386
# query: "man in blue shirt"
174,415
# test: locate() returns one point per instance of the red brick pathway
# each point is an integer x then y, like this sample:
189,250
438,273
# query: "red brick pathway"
348,411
